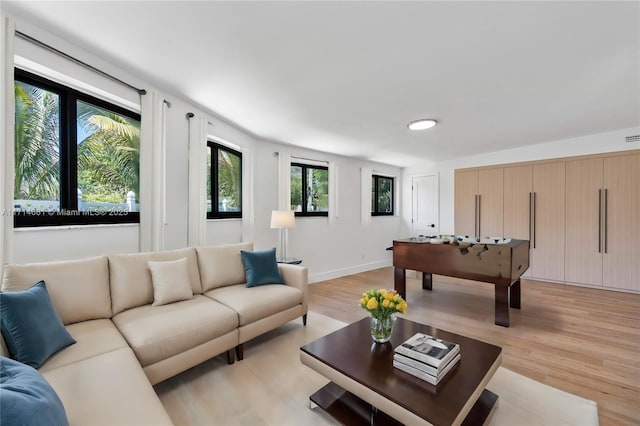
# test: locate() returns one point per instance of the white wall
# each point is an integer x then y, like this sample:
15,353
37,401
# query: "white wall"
328,250
583,145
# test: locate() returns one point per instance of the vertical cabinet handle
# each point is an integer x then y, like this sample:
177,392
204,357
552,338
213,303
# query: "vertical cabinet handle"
530,213
534,220
606,202
599,220
475,216
479,213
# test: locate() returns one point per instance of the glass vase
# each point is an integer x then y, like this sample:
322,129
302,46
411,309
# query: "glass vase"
381,329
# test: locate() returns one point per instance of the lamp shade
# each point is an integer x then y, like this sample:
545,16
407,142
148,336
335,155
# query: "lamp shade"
282,219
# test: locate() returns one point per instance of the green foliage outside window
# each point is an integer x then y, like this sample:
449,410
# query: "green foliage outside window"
381,195
229,177
37,159
108,155
108,149
309,190
224,192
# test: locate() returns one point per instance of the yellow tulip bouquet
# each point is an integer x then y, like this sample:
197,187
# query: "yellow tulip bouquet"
381,303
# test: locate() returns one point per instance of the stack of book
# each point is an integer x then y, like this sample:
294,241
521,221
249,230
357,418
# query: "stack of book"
426,357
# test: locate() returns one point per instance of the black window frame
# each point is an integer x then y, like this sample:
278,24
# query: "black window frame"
68,213
375,186
213,148
306,167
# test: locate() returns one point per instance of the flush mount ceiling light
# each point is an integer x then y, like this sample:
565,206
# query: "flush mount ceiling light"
422,124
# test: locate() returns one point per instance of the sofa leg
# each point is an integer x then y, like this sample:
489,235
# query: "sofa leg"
240,352
231,357
304,320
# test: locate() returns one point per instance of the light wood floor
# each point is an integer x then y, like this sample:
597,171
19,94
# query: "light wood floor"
581,340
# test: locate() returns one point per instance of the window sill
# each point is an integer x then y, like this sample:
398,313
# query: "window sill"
69,227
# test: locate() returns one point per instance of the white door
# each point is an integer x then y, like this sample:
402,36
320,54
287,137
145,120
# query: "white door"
424,212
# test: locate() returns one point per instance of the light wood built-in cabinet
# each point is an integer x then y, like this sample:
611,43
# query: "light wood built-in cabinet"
584,221
603,222
534,210
621,251
580,214
548,222
478,193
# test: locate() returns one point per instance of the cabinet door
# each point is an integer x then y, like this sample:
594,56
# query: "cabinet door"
547,241
466,189
583,242
491,200
621,258
517,202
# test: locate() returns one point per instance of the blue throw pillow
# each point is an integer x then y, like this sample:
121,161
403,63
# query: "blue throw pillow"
26,398
31,326
261,267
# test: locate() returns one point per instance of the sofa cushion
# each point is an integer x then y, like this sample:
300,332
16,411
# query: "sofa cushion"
158,332
92,338
254,303
26,398
30,325
131,283
170,281
108,389
221,265
79,289
261,267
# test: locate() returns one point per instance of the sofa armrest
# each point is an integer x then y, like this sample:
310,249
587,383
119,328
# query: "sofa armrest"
298,277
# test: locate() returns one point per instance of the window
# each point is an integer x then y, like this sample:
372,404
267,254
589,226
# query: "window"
309,190
381,196
77,158
224,170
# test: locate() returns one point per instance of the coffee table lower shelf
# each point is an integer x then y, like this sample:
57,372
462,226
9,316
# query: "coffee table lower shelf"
348,409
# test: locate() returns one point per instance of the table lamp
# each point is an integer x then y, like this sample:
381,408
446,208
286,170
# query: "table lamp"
283,220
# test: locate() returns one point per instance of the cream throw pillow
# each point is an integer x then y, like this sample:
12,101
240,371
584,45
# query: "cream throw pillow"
170,281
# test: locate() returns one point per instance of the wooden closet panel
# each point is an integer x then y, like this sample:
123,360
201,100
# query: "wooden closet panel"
583,245
466,188
547,253
517,189
490,189
621,259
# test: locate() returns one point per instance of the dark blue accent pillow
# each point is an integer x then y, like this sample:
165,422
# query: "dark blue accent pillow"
261,267
26,398
31,326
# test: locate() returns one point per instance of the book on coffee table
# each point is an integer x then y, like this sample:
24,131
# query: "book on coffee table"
419,364
421,374
428,349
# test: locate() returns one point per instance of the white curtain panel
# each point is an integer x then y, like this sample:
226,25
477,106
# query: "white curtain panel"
333,192
7,146
197,222
284,181
248,216
153,171
365,194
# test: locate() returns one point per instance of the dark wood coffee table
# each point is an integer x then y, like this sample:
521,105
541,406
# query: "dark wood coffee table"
365,388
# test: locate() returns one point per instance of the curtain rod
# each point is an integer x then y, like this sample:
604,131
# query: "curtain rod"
77,61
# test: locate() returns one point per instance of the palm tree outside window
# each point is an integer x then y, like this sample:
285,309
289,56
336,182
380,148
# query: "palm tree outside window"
224,172
77,158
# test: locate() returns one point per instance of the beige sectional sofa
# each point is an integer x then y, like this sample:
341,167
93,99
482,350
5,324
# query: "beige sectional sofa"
125,344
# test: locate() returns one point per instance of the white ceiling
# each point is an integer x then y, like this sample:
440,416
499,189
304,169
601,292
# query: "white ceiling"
347,77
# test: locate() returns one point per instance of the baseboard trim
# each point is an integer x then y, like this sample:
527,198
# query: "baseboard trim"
329,275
